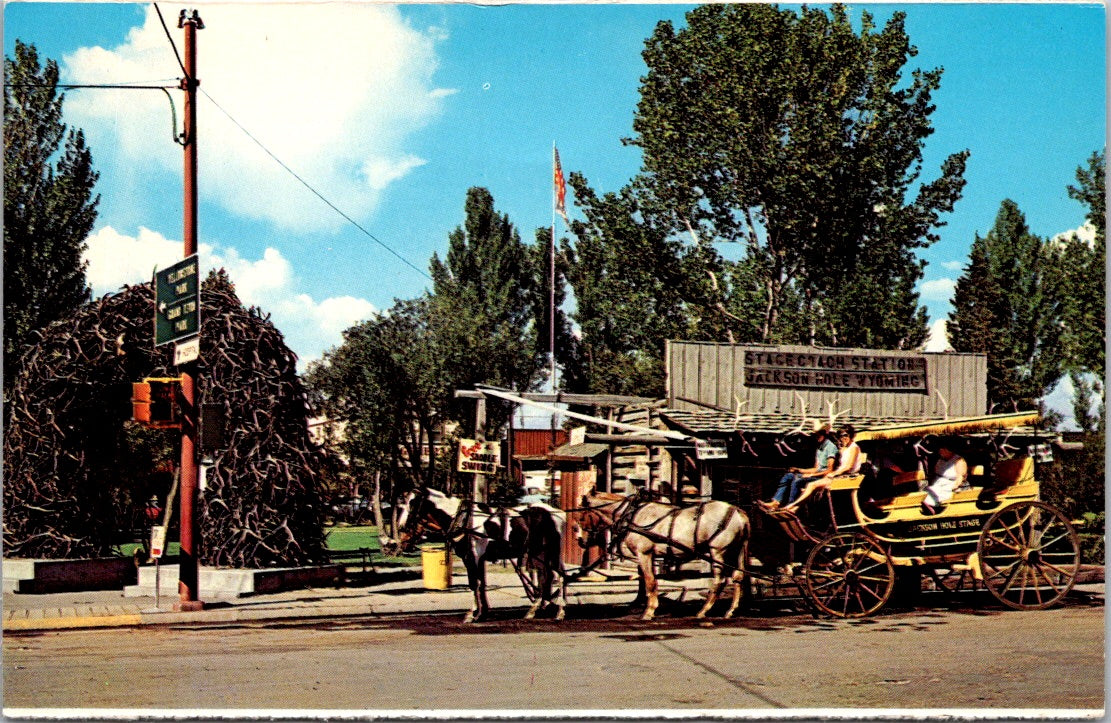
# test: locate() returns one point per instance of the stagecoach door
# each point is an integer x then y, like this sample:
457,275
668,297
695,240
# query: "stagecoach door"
573,485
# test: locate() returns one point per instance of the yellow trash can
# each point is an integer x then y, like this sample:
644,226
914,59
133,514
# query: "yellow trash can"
436,566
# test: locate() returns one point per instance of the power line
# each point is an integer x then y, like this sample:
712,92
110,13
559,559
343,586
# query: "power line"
171,39
97,86
316,193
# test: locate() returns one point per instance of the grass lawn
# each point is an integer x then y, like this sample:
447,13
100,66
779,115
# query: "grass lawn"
356,537
337,539
128,549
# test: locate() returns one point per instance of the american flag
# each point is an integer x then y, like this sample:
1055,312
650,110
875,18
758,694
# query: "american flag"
560,188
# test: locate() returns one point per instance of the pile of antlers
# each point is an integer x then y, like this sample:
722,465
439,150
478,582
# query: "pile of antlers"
67,415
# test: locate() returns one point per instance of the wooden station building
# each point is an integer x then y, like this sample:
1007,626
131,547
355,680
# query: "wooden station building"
737,416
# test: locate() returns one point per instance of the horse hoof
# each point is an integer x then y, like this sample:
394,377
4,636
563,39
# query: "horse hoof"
701,614
468,618
560,616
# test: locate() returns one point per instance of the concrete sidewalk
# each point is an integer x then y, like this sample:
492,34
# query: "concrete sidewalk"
397,592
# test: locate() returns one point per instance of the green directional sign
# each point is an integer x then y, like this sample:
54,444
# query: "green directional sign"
177,302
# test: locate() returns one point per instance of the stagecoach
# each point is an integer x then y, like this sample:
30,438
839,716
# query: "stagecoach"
998,534
848,547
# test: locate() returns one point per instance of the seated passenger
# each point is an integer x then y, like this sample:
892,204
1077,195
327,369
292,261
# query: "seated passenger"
950,477
791,484
849,464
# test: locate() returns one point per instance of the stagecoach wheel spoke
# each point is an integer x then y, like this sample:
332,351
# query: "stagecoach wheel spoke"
1029,555
849,575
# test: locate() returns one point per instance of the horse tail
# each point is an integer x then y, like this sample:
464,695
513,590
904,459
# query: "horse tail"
738,548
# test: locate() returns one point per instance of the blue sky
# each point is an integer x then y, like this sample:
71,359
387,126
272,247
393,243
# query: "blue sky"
393,111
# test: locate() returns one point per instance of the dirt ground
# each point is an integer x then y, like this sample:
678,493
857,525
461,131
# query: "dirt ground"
963,657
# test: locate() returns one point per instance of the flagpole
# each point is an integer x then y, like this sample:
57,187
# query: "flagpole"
551,278
551,291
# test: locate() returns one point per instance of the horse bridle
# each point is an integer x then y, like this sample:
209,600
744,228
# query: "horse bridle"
619,519
418,523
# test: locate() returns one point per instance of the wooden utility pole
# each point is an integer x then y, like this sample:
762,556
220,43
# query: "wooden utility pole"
480,489
190,477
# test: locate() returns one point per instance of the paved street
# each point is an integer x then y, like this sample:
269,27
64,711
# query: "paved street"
966,658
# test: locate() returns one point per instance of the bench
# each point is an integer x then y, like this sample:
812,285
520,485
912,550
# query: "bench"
1008,473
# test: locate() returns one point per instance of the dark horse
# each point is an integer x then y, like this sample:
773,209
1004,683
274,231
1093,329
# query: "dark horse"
530,537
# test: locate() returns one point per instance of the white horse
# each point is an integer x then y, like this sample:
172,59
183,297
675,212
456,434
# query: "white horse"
714,531
531,536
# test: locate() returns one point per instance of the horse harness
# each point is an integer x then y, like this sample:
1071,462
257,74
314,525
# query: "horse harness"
623,525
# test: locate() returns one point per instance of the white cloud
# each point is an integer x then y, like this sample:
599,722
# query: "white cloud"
115,259
310,327
938,289
325,320
333,90
262,282
952,265
1086,233
938,339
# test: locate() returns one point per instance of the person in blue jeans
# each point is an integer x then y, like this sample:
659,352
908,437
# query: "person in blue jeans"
794,482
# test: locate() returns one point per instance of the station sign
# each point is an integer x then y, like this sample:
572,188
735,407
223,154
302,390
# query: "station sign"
177,302
479,457
832,370
711,449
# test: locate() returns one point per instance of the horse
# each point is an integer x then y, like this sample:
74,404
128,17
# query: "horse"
715,531
530,536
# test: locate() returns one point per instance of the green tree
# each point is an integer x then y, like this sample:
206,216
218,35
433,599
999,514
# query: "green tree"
392,381
542,302
1008,305
483,313
49,208
382,385
798,137
632,293
1084,274
973,322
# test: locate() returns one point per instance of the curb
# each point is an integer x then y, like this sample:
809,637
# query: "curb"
457,601
454,601
71,623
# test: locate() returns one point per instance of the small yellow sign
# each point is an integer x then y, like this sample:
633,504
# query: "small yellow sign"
479,457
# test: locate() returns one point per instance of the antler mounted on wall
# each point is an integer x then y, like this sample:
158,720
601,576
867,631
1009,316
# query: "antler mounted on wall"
801,429
833,417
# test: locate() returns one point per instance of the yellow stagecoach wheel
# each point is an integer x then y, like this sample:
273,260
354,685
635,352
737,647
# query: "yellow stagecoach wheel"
849,575
1029,555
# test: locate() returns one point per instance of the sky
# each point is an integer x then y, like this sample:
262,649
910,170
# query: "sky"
391,112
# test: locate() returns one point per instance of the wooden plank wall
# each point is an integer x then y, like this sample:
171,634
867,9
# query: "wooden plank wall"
626,457
713,374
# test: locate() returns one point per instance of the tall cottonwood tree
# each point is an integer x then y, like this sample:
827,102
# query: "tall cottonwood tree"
49,207
631,293
798,137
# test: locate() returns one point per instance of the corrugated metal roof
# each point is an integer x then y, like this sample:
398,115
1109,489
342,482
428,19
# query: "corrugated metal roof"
578,452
